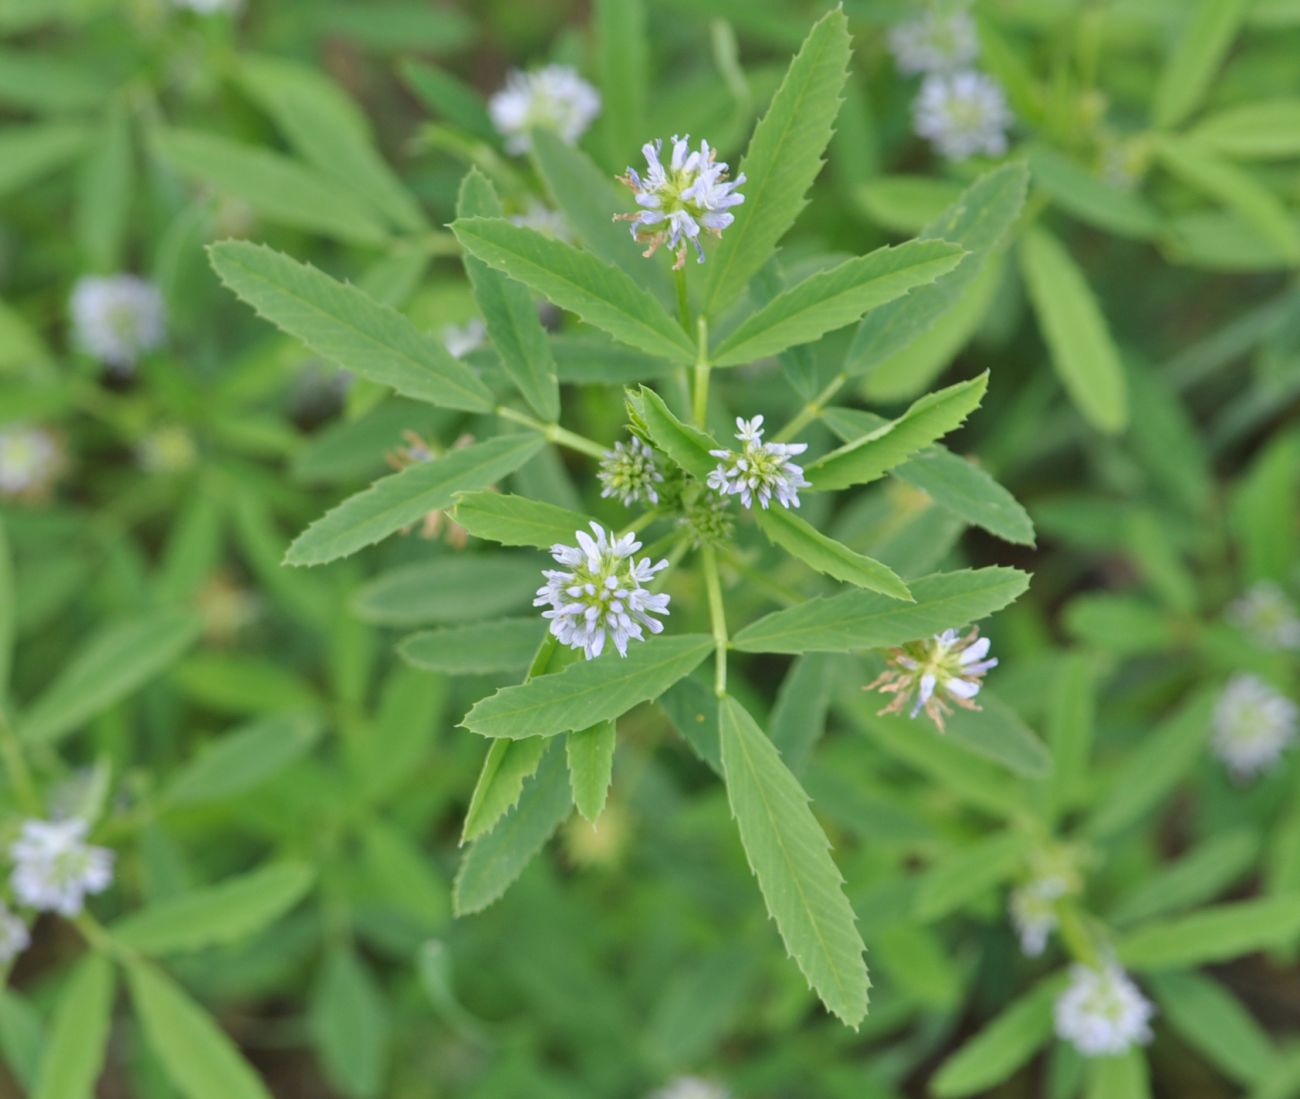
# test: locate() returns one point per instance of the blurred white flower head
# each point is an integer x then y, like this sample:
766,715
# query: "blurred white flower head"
938,41
691,194
1102,1013
963,114
461,339
1253,725
691,1087
14,937
543,219
166,449
1054,874
117,318
209,7
54,867
761,470
602,595
630,473
1268,615
934,671
552,98
30,458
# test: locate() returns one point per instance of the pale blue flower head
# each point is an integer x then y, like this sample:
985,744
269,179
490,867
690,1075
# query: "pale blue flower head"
963,114
760,470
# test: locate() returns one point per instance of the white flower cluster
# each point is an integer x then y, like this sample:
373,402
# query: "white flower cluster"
1102,1013
29,460
14,936
116,318
461,339
602,595
692,193
1267,614
552,98
1034,904
691,1087
55,868
928,670
1253,725
544,220
209,7
630,473
962,112
761,470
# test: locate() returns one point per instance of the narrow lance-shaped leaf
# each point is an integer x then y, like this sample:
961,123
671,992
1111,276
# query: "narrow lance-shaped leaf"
349,1025
799,537
343,325
508,311
516,520
1196,56
577,281
477,648
591,767
1215,1023
1213,934
396,501
872,456
865,620
28,152
74,1050
1264,129
241,760
783,159
790,856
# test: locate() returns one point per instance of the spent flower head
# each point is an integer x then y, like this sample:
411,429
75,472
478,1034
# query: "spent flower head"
761,470
54,867
934,671
116,318
629,472
14,936
963,114
1102,1013
552,98
30,460
1268,615
937,41
1253,725
690,194
602,594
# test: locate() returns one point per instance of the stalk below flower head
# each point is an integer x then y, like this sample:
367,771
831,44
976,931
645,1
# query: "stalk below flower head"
935,671
1253,725
30,458
630,473
55,868
938,41
761,470
1268,615
117,318
963,114
14,936
691,194
552,98
602,594
1102,1013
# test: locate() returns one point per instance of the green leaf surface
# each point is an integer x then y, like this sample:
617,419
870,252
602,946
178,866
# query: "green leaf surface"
865,620
1197,54
29,152
623,55
508,310
1211,935
242,760
1191,879
78,1038
1075,329
832,299
463,587
880,450
1262,130
1122,1076
1081,193
475,649
797,536
591,767
783,159
998,733
589,691
199,1058
802,703
349,1024
404,498
516,520
1216,1024
577,281
105,191
22,1040
969,871
351,330
507,765
790,856
117,660
686,445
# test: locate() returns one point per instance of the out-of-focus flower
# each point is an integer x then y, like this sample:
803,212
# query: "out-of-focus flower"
761,470
602,844
1253,725
54,867
461,339
603,593
963,114
544,220
117,318
1054,874
706,516
437,521
30,460
691,194
14,936
168,449
691,1087
551,98
227,608
630,473
1268,615
209,7
938,41
1102,1013
931,672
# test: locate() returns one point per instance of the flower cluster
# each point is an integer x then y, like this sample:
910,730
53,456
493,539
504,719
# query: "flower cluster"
761,470
602,594
1253,724
691,1087
552,98
630,473
55,868
941,40
1267,614
691,194
14,936
544,220
706,517
1102,1013
30,459
924,672
1034,903
116,318
461,339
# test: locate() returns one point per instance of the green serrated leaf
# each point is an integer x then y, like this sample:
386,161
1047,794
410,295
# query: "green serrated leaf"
591,767
516,520
78,1038
865,620
346,327
686,445
790,856
475,649
507,765
799,537
404,498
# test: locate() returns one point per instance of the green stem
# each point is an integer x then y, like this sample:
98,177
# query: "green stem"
702,367
16,765
812,409
778,591
683,302
717,615
553,432
640,523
